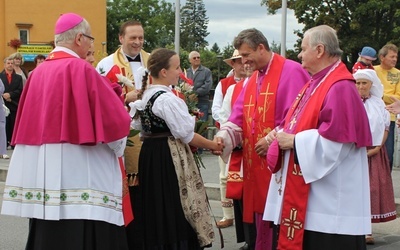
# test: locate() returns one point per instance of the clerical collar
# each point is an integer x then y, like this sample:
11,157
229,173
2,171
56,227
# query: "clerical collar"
316,78
133,59
237,79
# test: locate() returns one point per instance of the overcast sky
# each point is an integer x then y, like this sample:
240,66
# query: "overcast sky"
228,17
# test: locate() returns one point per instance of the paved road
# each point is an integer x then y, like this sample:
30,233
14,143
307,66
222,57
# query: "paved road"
13,230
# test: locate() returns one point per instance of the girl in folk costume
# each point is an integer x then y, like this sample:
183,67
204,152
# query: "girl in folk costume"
175,212
383,207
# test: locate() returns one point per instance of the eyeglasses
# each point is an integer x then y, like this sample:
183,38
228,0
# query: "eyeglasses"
90,37
196,57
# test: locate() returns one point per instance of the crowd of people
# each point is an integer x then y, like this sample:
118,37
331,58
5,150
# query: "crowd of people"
300,168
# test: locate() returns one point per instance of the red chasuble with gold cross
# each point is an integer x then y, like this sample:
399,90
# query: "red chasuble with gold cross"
258,120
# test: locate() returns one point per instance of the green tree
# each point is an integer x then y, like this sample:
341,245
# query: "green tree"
215,48
194,23
357,22
157,18
276,48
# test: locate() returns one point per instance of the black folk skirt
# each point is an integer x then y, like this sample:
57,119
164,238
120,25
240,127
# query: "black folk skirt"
75,234
162,221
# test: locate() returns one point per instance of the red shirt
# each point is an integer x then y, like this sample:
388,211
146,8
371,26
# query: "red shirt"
9,77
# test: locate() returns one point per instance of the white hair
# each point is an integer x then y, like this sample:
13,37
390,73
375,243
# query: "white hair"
191,54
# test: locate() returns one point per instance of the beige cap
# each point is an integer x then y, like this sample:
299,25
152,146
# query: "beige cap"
234,56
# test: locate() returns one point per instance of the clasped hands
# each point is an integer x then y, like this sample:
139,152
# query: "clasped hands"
7,97
219,146
285,142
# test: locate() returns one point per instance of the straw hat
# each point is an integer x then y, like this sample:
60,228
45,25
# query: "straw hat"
234,56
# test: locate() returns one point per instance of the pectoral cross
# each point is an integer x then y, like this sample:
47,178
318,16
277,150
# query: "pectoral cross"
266,93
292,122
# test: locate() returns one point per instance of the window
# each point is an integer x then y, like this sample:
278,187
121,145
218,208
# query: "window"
24,36
24,32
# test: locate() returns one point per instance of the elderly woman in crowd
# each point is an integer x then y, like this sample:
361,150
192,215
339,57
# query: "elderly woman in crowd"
18,62
382,198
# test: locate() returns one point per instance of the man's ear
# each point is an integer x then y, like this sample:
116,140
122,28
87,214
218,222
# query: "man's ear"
78,39
320,50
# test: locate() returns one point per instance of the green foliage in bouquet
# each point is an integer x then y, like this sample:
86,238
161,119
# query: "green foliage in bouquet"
132,132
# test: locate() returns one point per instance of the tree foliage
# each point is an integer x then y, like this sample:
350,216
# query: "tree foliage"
357,22
157,18
194,23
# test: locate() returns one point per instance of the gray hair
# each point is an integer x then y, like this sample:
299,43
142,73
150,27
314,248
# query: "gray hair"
7,59
252,37
388,47
69,35
326,36
192,53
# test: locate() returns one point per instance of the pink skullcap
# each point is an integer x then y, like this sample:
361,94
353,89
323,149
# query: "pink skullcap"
274,157
66,22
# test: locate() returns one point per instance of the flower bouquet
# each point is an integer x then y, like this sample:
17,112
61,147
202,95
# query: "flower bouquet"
119,81
15,43
185,91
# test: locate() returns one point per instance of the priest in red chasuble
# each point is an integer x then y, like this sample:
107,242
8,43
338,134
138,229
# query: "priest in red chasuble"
260,107
321,195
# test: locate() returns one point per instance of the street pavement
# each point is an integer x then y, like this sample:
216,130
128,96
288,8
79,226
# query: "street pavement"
14,230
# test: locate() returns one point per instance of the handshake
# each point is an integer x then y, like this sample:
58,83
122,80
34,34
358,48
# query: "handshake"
218,146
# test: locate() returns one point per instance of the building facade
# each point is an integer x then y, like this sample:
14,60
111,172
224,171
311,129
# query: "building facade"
27,26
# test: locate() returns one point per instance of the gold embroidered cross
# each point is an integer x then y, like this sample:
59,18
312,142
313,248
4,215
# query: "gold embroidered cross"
292,224
248,106
292,122
52,56
266,93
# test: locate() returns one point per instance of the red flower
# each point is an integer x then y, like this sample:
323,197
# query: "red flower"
185,79
15,43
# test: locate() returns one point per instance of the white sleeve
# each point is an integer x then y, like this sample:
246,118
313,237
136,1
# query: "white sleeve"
217,102
105,65
174,112
232,136
118,146
318,156
226,108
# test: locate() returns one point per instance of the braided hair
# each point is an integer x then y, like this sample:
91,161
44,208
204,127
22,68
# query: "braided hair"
158,60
